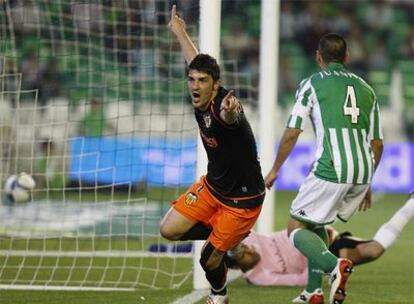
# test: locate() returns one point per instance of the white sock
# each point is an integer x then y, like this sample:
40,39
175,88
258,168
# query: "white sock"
388,233
217,291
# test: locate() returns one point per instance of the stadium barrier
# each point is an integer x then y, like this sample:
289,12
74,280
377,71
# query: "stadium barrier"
171,162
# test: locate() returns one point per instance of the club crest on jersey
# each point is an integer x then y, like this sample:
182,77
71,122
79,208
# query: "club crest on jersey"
190,198
207,120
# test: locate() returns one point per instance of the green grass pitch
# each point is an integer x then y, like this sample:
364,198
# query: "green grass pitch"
388,280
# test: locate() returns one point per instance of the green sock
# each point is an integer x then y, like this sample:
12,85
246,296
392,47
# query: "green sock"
315,274
314,277
323,234
312,247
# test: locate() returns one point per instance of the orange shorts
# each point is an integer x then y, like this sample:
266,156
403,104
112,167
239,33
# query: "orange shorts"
230,225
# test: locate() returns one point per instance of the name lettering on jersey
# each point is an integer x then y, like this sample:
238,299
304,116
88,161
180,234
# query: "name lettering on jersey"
337,73
207,120
210,141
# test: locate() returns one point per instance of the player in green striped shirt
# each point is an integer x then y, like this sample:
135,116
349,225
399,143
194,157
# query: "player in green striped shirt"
344,113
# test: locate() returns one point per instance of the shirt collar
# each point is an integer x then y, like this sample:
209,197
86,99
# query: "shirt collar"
335,66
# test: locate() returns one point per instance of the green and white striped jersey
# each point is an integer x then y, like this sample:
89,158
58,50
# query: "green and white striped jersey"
344,112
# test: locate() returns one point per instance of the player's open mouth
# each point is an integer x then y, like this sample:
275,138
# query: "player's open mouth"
196,95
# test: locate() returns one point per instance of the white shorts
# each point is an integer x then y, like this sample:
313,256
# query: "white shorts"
320,201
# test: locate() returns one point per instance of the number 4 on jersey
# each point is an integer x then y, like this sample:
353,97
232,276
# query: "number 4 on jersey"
350,105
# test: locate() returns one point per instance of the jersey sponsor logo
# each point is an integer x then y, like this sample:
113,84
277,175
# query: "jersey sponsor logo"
279,256
210,141
190,198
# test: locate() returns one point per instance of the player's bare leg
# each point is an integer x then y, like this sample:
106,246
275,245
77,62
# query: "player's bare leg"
174,225
363,253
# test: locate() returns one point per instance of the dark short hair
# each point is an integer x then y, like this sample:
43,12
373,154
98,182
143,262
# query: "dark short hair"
332,48
207,64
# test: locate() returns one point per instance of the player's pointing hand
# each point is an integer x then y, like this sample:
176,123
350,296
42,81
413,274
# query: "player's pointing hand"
176,24
230,103
230,108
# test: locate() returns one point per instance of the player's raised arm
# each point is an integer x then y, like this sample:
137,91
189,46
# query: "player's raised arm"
177,26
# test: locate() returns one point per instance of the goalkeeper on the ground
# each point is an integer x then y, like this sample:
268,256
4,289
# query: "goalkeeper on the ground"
272,260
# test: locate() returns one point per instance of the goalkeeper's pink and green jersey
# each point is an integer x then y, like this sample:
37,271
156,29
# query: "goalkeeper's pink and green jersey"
344,112
280,263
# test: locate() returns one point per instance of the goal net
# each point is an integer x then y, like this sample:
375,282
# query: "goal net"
93,105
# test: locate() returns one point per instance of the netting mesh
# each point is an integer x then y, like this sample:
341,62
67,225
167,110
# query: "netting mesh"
93,105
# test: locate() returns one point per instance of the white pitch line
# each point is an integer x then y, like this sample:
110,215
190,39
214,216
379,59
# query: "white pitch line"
61,288
197,295
193,297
